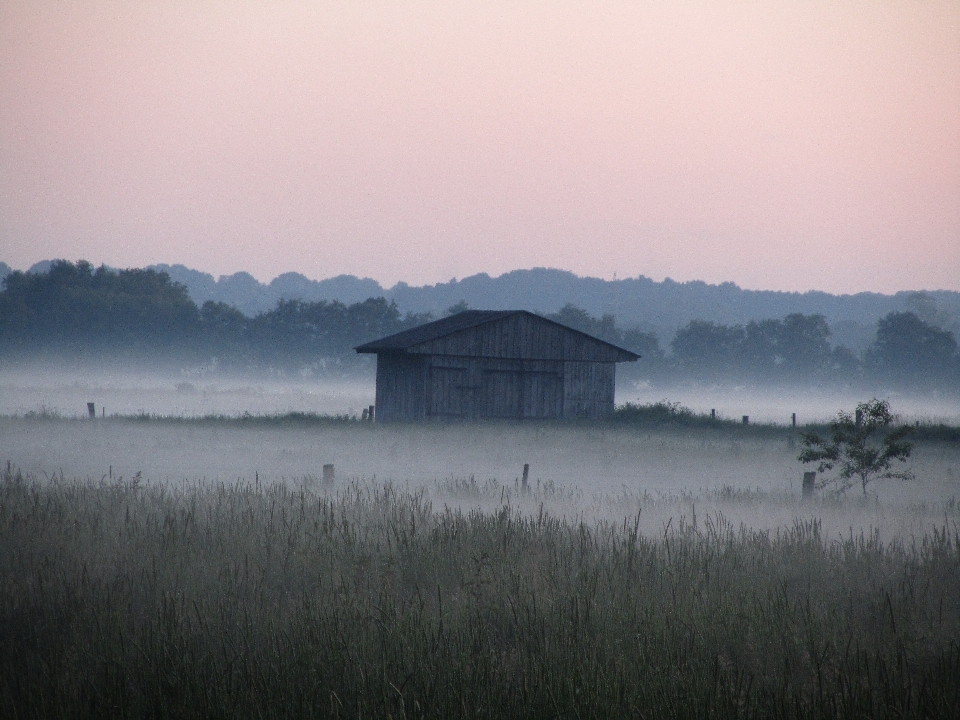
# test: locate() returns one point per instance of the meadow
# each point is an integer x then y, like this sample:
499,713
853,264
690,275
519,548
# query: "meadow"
173,566
132,599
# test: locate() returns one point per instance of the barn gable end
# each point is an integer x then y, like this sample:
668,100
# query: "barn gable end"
494,364
522,336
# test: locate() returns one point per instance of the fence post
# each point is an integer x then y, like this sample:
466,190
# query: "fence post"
92,411
809,479
713,413
524,486
746,419
794,419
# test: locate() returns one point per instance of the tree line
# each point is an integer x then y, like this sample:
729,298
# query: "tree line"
907,350
80,311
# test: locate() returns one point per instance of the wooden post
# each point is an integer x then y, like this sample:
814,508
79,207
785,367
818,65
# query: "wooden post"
524,485
794,419
92,411
328,474
746,419
713,413
809,479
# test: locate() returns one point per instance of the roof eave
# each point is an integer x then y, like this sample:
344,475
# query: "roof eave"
371,349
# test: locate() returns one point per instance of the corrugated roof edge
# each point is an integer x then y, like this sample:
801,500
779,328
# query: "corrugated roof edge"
398,342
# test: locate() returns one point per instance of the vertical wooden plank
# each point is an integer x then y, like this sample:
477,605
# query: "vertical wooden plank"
447,393
401,388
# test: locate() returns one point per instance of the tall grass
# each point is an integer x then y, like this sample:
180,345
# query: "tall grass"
134,600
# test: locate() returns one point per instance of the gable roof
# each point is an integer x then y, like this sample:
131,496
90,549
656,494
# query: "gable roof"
432,330
424,338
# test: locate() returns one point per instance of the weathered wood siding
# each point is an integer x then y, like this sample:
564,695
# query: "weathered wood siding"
521,336
588,389
519,366
472,388
543,393
401,387
449,393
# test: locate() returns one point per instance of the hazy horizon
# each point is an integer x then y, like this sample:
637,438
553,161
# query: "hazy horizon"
267,279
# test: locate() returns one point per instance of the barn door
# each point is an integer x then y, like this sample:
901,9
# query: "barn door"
542,395
502,392
448,392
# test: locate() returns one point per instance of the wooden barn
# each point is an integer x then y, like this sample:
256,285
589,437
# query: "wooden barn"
494,364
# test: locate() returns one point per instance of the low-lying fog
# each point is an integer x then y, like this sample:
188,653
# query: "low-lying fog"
775,405
136,391
588,471
153,393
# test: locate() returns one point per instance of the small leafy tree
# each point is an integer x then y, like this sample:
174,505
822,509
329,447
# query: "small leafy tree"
458,308
863,447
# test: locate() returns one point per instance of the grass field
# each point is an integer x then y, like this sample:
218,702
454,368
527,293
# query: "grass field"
628,457
129,598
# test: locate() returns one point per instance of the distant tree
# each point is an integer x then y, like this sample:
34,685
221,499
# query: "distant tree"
297,332
913,351
803,344
412,319
220,316
862,447
76,308
761,353
925,307
796,346
372,318
458,308
844,362
645,344
708,348
226,332
576,318
607,329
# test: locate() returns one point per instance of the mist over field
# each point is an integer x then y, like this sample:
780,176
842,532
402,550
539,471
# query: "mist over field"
138,389
165,428
777,403
135,388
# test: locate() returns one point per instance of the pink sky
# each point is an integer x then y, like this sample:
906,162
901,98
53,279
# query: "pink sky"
781,145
